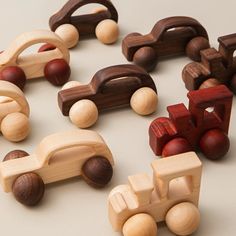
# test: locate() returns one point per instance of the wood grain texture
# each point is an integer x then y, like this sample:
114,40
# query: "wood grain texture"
168,37
57,157
33,64
110,87
85,24
193,122
218,64
175,180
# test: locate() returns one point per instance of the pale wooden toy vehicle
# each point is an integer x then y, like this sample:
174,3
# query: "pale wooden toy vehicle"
53,64
172,196
58,157
14,112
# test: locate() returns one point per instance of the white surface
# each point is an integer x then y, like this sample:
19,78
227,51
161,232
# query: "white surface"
72,207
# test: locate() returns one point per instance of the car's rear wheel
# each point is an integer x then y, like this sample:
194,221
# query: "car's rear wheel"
140,225
183,218
57,72
144,101
146,57
97,171
84,113
15,154
28,189
194,47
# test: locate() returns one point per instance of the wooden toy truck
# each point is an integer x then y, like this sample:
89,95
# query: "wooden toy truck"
111,87
216,67
53,64
169,37
203,125
14,112
171,196
59,156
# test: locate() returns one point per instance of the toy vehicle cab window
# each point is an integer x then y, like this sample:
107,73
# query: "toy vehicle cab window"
70,154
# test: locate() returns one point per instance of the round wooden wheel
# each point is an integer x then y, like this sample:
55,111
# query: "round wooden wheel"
140,225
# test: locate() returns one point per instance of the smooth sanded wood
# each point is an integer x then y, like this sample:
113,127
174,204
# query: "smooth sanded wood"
110,87
57,157
33,64
85,24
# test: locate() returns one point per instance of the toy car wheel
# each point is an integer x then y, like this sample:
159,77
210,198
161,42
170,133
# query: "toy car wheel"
15,154
57,72
140,225
194,47
214,144
183,218
28,189
146,57
144,101
15,126
15,75
176,146
107,31
97,171
233,84
46,47
84,113
71,84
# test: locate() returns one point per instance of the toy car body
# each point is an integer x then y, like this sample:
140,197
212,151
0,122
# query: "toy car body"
85,24
176,179
110,87
219,65
193,122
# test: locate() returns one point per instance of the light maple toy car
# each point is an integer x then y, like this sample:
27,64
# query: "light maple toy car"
216,66
169,37
102,22
59,156
111,87
204,125
53,64
171,196
14,112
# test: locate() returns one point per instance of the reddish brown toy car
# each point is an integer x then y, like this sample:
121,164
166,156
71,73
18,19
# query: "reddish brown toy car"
169,37
196,127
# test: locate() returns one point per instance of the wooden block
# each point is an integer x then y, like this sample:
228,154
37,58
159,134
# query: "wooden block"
14,112
33,65
219,63
85,24
142,187
180,176
169,37
112,87
194,123
60,156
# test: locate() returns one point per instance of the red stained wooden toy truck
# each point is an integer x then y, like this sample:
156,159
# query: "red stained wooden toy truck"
216,67
203,125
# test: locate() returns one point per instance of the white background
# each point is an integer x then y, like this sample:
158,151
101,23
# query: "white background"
72,207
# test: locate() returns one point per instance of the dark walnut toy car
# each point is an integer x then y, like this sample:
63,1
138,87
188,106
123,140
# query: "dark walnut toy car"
102,22
169,37
111,87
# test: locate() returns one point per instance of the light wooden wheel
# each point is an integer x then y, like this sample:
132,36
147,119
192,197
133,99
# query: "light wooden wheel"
140,225
69,34
183,219
71,84
107,31
15,127
144,101
84,113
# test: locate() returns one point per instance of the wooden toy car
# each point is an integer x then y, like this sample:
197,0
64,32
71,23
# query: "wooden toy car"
14,112
203,125
110,87
59,156
52,64
216,67
169,37
171,196
102,22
